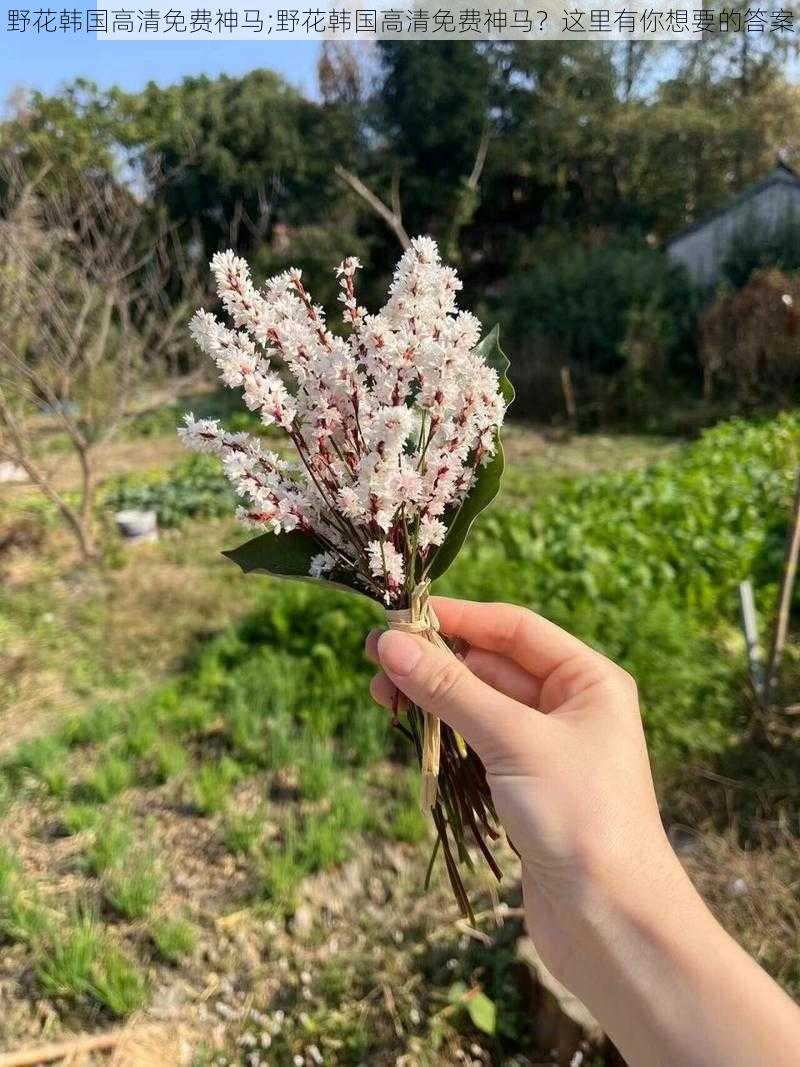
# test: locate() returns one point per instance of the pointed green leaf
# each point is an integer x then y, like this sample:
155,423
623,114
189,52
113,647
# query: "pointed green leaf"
287,555
487,481
482,1011
495,357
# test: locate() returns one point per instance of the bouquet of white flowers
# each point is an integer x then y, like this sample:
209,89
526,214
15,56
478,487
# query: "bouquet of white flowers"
396,431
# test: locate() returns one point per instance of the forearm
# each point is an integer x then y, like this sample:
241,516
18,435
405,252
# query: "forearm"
669,985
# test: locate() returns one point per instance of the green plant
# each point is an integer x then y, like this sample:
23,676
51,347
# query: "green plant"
133,887
112,774
44,759
399,817
645,565
66,965
212,785
91,727
476,1004
23,917
281,870
195,489
9,871
316,770
242,832
169,759
113,840
174,938
77,962
142,736
117,983
75,818
574,308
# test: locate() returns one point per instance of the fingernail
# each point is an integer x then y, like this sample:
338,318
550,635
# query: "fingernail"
399,653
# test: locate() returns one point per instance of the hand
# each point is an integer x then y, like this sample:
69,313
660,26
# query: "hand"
558,729
607,903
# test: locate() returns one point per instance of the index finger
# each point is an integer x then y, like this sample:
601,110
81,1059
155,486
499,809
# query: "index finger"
537,645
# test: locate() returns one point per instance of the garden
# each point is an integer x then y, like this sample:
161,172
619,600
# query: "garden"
205,818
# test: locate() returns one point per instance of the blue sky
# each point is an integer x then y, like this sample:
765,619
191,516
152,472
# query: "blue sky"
44,62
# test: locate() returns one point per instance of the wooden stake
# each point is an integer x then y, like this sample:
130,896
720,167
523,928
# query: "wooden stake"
569,397
785,597
750,629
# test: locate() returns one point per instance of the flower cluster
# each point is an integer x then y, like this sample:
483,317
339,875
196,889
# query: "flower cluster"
389,423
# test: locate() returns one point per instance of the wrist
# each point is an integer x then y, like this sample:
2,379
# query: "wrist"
654,967
615,914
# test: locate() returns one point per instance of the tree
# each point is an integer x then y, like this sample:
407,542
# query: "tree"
61,137
424,169
240,156
83,317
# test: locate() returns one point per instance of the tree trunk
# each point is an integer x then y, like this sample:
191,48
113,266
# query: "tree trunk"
86,523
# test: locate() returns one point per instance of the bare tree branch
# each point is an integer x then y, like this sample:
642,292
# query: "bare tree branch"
86,314
480,159
465,201
390,216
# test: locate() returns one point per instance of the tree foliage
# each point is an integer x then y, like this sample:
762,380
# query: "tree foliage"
550,174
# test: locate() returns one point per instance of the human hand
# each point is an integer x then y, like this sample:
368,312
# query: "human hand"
607,903
558,729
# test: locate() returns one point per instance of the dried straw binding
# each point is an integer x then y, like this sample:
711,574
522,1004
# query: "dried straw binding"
420,618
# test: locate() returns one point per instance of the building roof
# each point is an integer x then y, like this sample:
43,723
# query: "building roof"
781,174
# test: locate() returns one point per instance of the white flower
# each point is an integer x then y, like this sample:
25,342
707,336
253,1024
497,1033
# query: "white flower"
386,561
322,564
431,532
389,423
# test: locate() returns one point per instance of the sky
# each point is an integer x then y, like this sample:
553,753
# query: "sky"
44,62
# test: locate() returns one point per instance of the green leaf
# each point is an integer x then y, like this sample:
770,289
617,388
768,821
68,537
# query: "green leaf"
481,1010
287,555
495,357
487,482
456,993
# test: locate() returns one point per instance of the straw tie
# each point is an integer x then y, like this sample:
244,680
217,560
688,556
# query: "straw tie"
420,618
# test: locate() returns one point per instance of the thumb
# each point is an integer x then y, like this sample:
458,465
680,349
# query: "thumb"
494,725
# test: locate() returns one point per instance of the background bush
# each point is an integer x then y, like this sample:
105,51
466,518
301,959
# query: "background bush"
583,308
196,488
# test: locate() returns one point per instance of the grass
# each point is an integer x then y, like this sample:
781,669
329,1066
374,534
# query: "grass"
252,688
112,775
130,874
212,785
43,760
321,841
133,888
23,916
66,967
241,832
169,759
174,938
77,818
316,770
79,963
118,984
404,820
540,466
73,958
99,723
281,869
113,840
